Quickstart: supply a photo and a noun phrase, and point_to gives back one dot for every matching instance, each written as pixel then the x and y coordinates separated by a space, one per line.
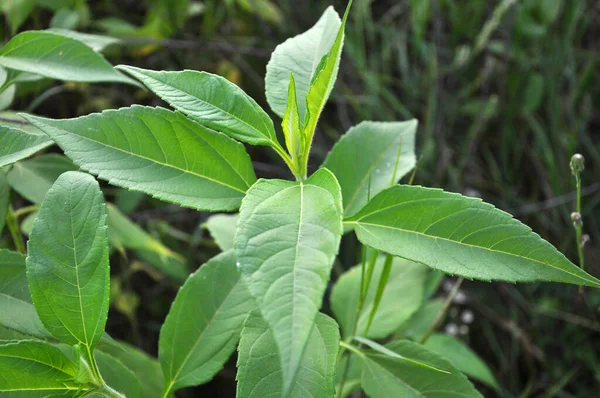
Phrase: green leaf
pixel 124 233
pixel 35 365
pixel 462 357
pixel 95 42
pixel 260 373
pixel 4 198
pixel 322 83
pixel 222 228
pixel 292 125
pixel 401 298
pixel 33 178
pixel 17 11
pixel 369 158
pixel 288 237
pixel 461 235
pixel 118 376
pixel 16 144
pixel 265 9
pixel 158 152
pixel 204 323
pixel 416 327
pixel 16 311
pixel 301 56
pixel 353 377
pixel 67 265
pixel 59 57
pixel 385 376
pixel 212 101
pixel 141 364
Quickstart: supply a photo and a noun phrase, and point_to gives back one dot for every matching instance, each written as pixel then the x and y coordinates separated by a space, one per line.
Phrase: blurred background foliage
pixel 505 92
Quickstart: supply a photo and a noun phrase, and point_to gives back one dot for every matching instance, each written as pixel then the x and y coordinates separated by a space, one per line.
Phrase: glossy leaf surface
pixel 401 298
pixel 158 152
pixel 461 235
pixel 288 236
pixel 35 365
pixel 67 265
pixel 259 369
pixel 212 101
pixel 300 55
pixel 369 158
pixel 16 144
pixel 204 323
pixel 384 376
pixel 56 56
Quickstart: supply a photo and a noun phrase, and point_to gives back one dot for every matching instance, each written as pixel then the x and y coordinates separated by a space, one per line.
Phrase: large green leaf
pixel 401 298
pixel 222 228
pixel 213 101
pixel 204 323
pixel 118 376
pixel 124 233
pixel 35 365
pixel 288 236
pixel 462 357
pixel 33 178
pixel 300 55
pixel 16 311
pixel 56 56
pixel 67 265
pixel 461 235
pixel 369 158
pixel 16 144
pixel 158 152
pixel 260 372
pixel 385 376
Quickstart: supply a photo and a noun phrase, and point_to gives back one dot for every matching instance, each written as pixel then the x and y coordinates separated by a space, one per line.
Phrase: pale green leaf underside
pixel 288 236
pixel 212 101
pixel 364 160
pixel 402 297
pixel 259 368
pixel 16 144
pixel 56 56
pixel 34 177
pixel 204 323
pixel 462 357
pixel 384 376
pixel 461 235
pixel 300 55
pixel 95 42
pixel 67 265
pixel 158 152
pixel 4 198
pixel 222 228
pixel 35 365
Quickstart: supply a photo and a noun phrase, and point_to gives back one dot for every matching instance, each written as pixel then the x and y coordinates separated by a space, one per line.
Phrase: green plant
pixel 264 292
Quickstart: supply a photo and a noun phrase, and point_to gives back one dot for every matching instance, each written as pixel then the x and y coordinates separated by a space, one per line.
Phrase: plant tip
pixel 577 163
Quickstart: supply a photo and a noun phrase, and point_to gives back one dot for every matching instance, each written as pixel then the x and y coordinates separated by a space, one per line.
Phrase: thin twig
pixel 443 311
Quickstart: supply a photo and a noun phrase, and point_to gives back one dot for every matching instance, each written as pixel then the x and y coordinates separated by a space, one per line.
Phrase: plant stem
pixel 26 210
pixel 443 311
pixel 13 227
pixel 383 279
pixel 578 228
